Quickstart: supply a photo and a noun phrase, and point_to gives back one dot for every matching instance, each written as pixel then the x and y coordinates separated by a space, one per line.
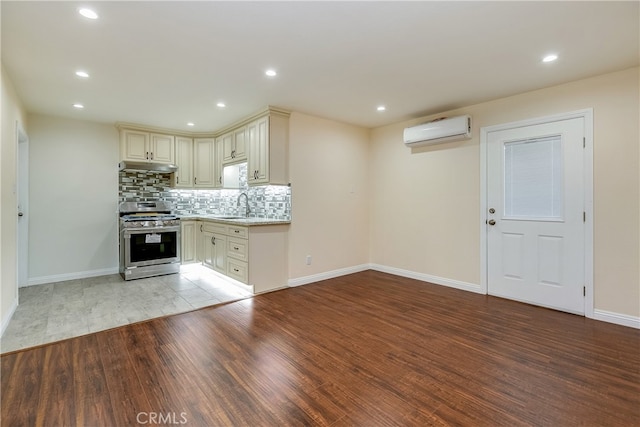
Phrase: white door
pixel 535 218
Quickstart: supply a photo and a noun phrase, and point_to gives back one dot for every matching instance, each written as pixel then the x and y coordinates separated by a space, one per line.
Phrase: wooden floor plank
pixel 364 349
pixel 126 394
pixel 21 377
pixel 57 402
pixel 90 384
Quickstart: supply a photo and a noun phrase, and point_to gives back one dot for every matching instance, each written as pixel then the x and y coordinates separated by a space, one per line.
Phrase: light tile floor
pixel 56 311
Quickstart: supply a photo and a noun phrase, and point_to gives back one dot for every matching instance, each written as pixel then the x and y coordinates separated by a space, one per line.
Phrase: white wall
pixel 329 170
pixel 73 230
pixel 12 112
pixel 358 196
pixel 425 207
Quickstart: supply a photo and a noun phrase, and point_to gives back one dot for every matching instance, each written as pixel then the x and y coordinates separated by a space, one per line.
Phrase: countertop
pixel 247 222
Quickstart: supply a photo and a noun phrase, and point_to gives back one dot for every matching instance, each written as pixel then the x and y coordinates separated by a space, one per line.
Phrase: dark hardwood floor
pixel 368 349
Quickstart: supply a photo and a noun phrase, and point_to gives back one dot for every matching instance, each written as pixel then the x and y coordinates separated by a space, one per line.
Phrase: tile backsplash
pixel 269 201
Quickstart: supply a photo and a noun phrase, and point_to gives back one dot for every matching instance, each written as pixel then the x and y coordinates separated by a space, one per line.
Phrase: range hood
pixel 127 165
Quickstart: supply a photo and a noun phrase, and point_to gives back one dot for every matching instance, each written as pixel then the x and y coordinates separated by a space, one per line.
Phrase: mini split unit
pixel 438 131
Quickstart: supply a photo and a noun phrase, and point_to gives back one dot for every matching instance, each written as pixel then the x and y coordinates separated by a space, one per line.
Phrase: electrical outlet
pixel 308 259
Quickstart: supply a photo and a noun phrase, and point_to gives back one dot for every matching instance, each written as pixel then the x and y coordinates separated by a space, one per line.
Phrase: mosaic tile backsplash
pixel 269 201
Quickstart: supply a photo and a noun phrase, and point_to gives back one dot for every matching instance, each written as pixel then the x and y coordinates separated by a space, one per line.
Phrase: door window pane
pixel 533 177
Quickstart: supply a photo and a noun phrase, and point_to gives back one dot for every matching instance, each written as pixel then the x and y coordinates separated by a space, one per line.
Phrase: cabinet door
pixel 228 147
pixel 217 162
pixel 184 161
pixel 162 148
pixel 239 144
pixel 218 244
pixel 200 239
pixel 258 157
pixel 207 248
pixel 134 145
pixel 203 161
pixel 188 243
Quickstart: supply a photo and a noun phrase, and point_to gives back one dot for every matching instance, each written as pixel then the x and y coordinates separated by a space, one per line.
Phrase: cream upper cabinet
pixel 268 139
pixel 203 163
pixel 197 162
pixel 261 140
pixel 234 146
pixel 227 146
pixel 134 145
pixel 161 148
pixel 218 168
pixel 146 147
pixel 184 160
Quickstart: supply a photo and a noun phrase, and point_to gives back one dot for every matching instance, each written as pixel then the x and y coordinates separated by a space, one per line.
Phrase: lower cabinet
pixel 188 242
pixel 256 256
pixel 225 249
pixel 215 255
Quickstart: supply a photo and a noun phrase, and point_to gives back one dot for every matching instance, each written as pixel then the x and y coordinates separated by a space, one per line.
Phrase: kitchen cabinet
pixel 234 146
pixel 214 246
pixel 184 160
pixel 255 255
pixel 267 157
pixel 238 254
pixel 261 140
pixel 207 248
pixel 150 147
pixel 203 163
pixel 198 162
pixel 218 245
pixel 188 242
pixel 218 168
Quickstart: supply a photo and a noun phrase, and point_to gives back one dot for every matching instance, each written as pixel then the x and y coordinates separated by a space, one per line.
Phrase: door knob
pixel 491 222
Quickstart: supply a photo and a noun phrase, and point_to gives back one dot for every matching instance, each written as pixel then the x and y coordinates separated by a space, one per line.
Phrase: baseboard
pixel 7 318
pixel 617 318
pixel 465 286
pixel 71 276
pixel 327 275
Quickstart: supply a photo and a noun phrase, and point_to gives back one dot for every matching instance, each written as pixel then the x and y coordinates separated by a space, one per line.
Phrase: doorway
pixel 536 211
pixel 23 206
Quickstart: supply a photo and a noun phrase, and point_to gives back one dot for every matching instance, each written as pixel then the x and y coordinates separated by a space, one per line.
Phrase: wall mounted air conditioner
pixel 438 131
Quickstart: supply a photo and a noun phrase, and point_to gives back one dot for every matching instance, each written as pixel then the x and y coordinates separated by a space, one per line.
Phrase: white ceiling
pixel 168 63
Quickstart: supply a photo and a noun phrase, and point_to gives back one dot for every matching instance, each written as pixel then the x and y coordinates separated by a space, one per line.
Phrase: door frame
pixel 22 193
pixel 587 115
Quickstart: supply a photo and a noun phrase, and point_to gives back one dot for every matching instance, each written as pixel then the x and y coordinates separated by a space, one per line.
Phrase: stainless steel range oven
pixel 149 239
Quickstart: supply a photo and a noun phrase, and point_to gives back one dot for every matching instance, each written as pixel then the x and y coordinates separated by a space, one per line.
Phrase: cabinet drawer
pixel 238 270
pixel 241 232
pixel 238 249
pixel 213 227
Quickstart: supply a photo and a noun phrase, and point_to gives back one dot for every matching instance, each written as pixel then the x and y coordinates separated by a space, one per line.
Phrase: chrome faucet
pixel 247 210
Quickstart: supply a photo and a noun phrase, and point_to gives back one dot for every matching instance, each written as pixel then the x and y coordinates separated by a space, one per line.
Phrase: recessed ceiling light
pixel 381 108
pixel 82 74
pixel 190 124
pixel 78 106
pixel 550 58
pixel 88 13
pixel 271 73
pixel 221 104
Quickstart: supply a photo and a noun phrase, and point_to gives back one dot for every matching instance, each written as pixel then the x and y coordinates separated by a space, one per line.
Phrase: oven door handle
pixel 151 230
